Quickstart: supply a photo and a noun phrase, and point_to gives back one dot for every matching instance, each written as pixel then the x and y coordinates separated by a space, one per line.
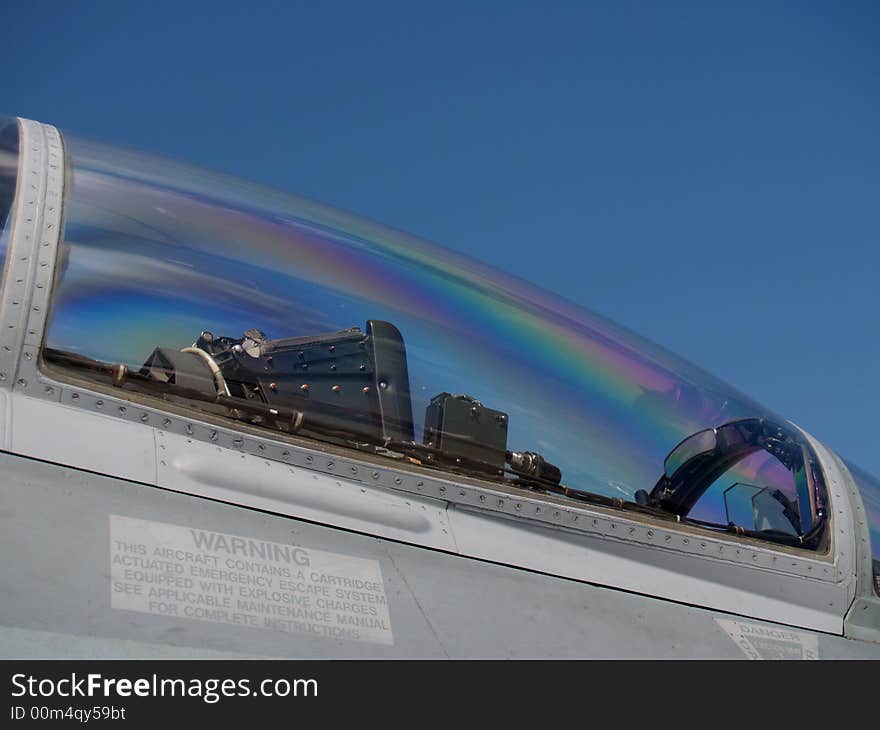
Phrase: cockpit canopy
pixel 249 304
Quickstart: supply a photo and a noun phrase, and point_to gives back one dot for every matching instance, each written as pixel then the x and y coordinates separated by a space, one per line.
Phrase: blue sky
pixel 708 176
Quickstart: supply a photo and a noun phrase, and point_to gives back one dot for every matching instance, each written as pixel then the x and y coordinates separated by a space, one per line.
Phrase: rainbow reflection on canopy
pixel 162 255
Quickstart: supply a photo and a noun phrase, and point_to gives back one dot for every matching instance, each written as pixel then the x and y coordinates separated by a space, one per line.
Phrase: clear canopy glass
pixel 156 253
pixel 869 487
pixel 8 178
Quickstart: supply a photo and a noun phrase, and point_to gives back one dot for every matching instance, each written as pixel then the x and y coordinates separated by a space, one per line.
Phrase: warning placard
pixel 193 573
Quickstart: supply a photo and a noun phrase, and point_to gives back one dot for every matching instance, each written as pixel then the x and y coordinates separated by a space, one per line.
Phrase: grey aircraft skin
pixel 139 519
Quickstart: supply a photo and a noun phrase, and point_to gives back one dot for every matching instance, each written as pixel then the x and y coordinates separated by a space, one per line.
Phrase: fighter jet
pixel 240 423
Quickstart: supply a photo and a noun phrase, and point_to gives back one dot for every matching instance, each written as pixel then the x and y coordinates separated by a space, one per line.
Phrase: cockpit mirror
pixel 702 442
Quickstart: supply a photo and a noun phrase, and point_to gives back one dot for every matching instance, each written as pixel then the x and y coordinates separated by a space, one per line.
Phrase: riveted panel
pixel 332 495
pixel 187 450
pixel 27 231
